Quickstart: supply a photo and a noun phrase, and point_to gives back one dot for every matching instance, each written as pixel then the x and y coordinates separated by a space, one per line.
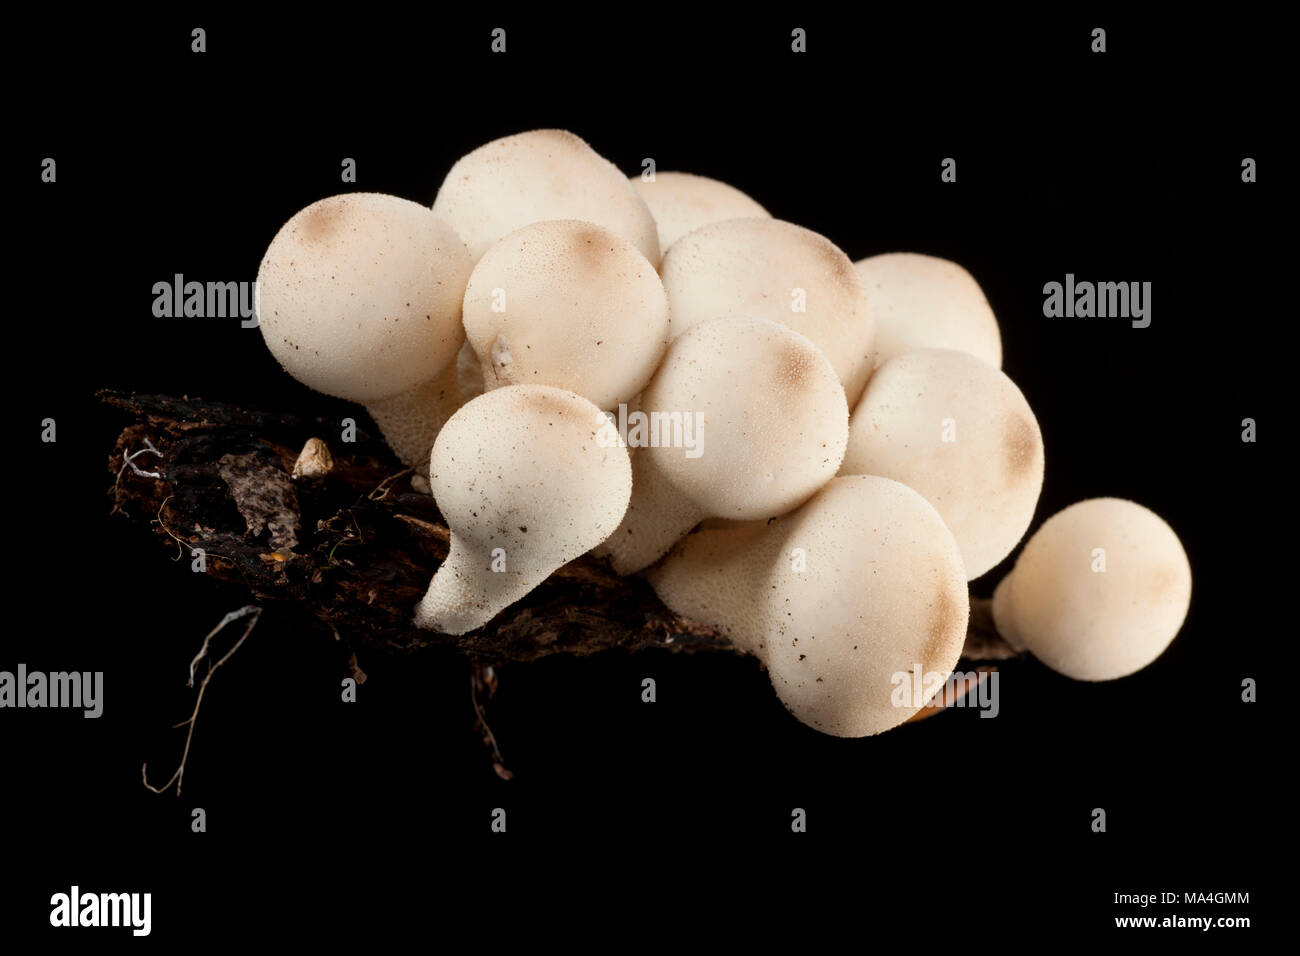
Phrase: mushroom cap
pixel 754 267
pixel 883 592
pixel 773 420
pixel 359 296
pixel 683 202
pixel 1097 625
pixel 524 468
pixel 843 598
pixel 923 302
pixel 543 174
pixel 959 432
pixel 583 310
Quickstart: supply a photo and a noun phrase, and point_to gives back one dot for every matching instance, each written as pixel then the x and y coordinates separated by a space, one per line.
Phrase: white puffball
pixel 529 477
pixel 922 302
pixel 960 433
pixel 542 174
pixel 359 296
pixel 1099 591
pixel 569 304
pixel 682 203
pixel 853 601
pixel 774 270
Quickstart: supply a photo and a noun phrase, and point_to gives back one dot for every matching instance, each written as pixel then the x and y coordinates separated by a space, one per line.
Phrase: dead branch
pixel 353 548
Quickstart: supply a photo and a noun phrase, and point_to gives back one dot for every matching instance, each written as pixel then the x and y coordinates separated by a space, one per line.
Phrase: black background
pixel 628 821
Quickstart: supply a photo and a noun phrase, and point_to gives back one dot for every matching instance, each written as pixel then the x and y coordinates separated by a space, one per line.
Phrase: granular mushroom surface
pixel 922 302
pixel 960 433
pixel 569 304
pixel 527 482
pixel 542 174
pixel 683 202
pixel 774 270
pixel 848 600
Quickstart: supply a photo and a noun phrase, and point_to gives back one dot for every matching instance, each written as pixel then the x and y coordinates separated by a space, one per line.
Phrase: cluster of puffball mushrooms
pixel 507 336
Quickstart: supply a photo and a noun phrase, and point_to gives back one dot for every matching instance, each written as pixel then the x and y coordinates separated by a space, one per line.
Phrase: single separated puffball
pixel 777 271
pixel 529 477
pixel 856 602
pixel 682 203
pixel 960 433
pixel 922 302
pixel 569 304
pixel 1099 591
pixel 543 174
pixel 359 297
pixel 744 419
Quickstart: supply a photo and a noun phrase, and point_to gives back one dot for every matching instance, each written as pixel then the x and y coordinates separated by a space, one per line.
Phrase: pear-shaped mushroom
pixel 359 297
pixel 778 271
pixel 682 203
pixel 744 419
pixel 1099 591
pixel 851 601
pixel 923 302
pixel 569 304
pixel 542 174
pixel 528 477
pixel 958 431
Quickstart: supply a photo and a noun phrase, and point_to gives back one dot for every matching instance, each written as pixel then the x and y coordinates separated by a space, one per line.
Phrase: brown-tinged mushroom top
pixel 541 174
pixel 359 296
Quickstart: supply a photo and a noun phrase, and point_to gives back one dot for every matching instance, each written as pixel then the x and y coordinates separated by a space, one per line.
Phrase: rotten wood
pixel 353 547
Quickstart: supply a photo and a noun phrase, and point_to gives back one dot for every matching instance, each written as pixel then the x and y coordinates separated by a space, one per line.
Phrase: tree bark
pixel 354 547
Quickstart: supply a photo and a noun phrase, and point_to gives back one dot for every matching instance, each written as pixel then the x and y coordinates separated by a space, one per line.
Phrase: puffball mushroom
pixel 921 302
pixel 543 174
pixel 777 271
pixel 847 601
pixel 682 203
pixel 1098 592
pixel 528 477
pixel 359 297
pixel 960 433
pixel 569 304
pixel 762 424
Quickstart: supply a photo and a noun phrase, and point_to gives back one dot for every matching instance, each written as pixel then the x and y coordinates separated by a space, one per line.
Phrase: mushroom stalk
pixel 411 420
pixel 1001 614
pixel 444 606
pixel 659 516
pixel 703 569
